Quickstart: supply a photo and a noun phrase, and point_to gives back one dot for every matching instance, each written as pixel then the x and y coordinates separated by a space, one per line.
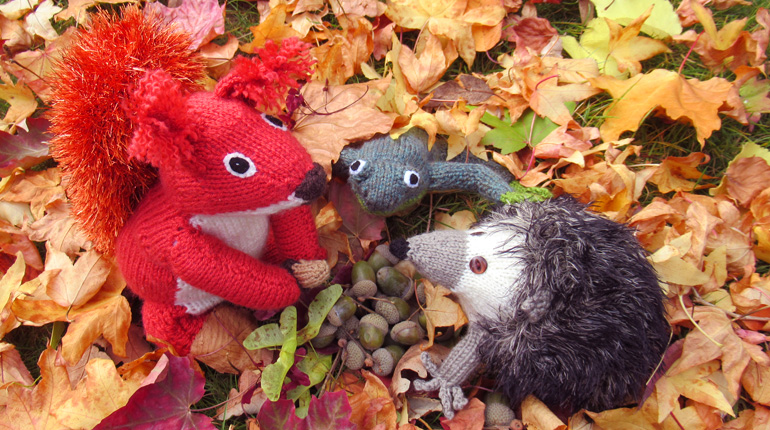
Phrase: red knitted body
pixel 227 211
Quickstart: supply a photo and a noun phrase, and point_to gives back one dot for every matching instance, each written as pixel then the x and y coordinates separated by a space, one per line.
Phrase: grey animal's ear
pixel 347 156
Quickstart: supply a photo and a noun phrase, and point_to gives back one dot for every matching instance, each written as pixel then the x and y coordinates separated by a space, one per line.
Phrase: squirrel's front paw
pixel 450 392
pixel 310 273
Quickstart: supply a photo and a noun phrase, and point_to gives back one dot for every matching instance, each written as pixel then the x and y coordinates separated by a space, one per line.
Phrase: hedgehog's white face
pixel 476 265
pixel 490 272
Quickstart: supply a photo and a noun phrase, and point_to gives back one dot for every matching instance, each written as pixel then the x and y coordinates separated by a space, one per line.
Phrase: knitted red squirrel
pixel 225 219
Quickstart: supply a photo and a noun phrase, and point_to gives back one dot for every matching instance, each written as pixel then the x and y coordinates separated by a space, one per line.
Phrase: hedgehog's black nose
pixel 399 248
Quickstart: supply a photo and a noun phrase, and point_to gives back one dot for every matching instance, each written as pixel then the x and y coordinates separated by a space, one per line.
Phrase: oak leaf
pixel 336 115
pixel 669 94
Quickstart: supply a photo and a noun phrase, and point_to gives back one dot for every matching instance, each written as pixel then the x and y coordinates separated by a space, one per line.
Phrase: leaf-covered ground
pixel 654 110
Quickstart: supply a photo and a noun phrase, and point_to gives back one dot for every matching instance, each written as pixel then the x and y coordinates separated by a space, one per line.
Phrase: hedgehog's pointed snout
pixel 399 248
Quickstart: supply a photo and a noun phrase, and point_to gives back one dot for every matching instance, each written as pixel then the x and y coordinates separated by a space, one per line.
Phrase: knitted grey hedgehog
pixel 562 304
pixel 390 175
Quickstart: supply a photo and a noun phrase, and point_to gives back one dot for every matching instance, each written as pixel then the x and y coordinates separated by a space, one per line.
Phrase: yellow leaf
pixel 99 394
pixel 22 101
pixel 273 27
pixel 424 70
pixel 373 407
pixel 668 93
pixel 440 310
pixel 536 413
pixel 460 220
pixel 663 20
pixel 72 285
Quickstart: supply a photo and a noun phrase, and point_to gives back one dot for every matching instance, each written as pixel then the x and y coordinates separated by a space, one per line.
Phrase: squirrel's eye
pixel 478 265
pixel 274 121
pixel 357 166
pixel 240 165
pixel 411 178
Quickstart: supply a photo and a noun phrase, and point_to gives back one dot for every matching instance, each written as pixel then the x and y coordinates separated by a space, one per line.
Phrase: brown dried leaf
pixel 373 407
pixel 12 368
pixel 440 310
pixel 219 344
pixel 340 114
pixel 673 173
pixel 72 285
pixel 272 27
pixel 58 229
pixel 471 417
pixel 39 189
pixel 537 414
pixel 461 220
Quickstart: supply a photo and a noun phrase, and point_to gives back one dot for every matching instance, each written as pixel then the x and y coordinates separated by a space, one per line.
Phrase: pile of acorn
pixel 378 316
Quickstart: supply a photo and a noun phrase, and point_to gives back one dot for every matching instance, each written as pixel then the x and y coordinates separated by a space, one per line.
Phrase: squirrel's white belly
pixel 245 232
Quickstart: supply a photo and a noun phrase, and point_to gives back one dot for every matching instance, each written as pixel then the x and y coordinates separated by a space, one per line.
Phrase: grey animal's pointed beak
pixel 440 256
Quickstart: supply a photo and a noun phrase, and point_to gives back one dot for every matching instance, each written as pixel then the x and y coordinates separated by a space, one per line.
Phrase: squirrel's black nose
pixel 399 248
pixel 314 184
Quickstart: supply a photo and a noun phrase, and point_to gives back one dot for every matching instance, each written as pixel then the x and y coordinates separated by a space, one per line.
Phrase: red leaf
pixel 331 411
pixel 25 148
pixel 355 220
pixel 280 415
pixel 165 403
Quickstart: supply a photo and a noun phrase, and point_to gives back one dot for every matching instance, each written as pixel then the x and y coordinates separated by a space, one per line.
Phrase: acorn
pixel 363 289
pixel 419 292
pixel 348 329
pixel 326 335
pixel 354 356
pixel 393 283
pixel 342 310
pixel 498 413
pixel 372 330
pixel 383 362
pixel 384 250
pixel 362 270
pixel 396 351
pixel 378 261
pixel 406 333
pixel 393 309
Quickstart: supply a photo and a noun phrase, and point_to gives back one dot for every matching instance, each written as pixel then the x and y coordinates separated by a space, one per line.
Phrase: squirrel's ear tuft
pixel 157 109
pixel 264 81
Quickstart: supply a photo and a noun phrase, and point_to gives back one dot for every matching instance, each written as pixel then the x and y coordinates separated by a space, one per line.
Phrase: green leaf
pixel 317 311
pixel 266 336
pixel 663 21
pixel 274 374
pixel 316 367
pixel 509 137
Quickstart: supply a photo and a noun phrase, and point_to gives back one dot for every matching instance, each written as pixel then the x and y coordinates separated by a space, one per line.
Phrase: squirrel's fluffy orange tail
pixel 91 84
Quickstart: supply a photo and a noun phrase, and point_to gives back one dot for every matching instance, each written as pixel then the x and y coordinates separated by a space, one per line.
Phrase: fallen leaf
pixel 756 382
pixel 673 173
pixel 22 101
pixel 39 189
pixel 469 88
pixel 248 398
pixel 35 67
pixel 355 220
pixel 219 343
pixel 549 99
pixel 328 222
pixel 272 27
pixel 424 67
pixel 532 33
pixel 537 414
pixel 26 148
pixel 58 229
pixel 38 23
pixel 15 9
pixel 471 417
pixel 412 363
pixel 617 50
pixel 12 368
pixel 78 9
pixel 440 310
pixel 460 220
pixel 749 419
pixel 344 54
pixel 746 177
pixel 12 32
pixel 663 20
pixel 202 20
pixel 72 285
pixel 98 395
pixel 336 115
pixel 373 406
pixel 33 408
pixel 668 93
pixel 165 402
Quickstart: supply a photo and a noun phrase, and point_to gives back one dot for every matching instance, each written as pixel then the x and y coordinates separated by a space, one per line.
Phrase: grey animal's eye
pixel 478 265
pixel 411 178
pixel 274 121
pixel 357 166
pixel 239 165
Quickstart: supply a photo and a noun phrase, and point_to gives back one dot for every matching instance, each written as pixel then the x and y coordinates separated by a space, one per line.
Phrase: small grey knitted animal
pixel 562 304
pixel 390 175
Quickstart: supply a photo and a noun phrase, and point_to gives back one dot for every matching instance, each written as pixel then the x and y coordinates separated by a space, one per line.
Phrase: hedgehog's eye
pixel 274 121
pixel 357 166
pixel 239 165
pixel 411 178
pixel 478 265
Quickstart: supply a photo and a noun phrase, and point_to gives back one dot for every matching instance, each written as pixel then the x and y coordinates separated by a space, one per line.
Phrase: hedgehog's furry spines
pixel 588 327
pixel 90 86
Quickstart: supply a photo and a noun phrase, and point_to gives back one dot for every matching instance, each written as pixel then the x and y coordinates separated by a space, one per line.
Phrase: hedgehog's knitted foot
pixel 450 392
